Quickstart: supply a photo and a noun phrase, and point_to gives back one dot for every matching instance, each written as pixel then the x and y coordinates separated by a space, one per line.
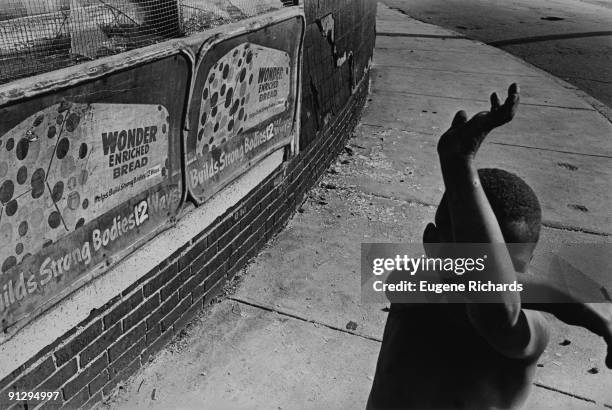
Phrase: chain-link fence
pixel 37 36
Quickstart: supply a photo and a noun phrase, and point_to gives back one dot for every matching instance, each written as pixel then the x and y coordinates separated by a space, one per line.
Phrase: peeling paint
pixel 327 28
pixel 341 60
pixel 327 118
pixel 326 25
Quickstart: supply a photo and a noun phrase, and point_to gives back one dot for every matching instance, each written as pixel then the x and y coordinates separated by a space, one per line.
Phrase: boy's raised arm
pixel 502 323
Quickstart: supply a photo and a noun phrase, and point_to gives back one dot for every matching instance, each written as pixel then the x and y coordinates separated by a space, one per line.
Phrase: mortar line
pixel 302 318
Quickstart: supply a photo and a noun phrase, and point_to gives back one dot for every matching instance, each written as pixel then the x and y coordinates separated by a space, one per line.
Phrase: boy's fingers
pixel 495 102
pixel 513 89
pixel 460 118
pixel 512 101
pixel 506 112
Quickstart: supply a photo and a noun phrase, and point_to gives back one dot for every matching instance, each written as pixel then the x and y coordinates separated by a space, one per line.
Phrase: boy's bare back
pixel 433 358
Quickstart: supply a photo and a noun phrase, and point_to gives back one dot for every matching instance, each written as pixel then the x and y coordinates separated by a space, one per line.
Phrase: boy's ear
pixel 431 239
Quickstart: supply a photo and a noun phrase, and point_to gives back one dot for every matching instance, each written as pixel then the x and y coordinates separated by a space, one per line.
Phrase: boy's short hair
pixel 514 204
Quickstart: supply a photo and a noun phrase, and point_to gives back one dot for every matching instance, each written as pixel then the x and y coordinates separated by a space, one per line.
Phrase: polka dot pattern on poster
pixel 231 101
pixel 52 166
pixel 29 216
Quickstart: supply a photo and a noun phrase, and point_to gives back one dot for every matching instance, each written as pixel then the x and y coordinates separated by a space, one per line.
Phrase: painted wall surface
pixel 86 174
pixel 243 106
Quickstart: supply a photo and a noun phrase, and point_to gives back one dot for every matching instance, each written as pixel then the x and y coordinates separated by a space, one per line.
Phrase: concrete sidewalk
pixel 295 334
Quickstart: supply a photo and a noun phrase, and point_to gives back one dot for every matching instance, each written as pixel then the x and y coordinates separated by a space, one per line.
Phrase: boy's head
pixel 516 207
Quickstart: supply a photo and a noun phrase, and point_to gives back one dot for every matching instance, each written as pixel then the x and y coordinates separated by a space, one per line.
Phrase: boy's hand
pixel 464 137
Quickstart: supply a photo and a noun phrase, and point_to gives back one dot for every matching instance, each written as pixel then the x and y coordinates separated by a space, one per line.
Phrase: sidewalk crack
pixel 556 225
pixel 392 91
pixel 543 386
pixel 412 67
pixel 358 191
pixel 413 35
pixel 404 201
pixel 302 318
pixel 551 150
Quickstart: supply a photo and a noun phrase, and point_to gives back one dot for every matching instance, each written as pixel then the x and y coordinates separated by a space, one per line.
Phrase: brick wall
pixel 88 362
pixel 340 37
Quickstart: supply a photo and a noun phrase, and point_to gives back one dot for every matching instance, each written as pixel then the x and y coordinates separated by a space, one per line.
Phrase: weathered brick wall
pixel 340 36
pixel 88 362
